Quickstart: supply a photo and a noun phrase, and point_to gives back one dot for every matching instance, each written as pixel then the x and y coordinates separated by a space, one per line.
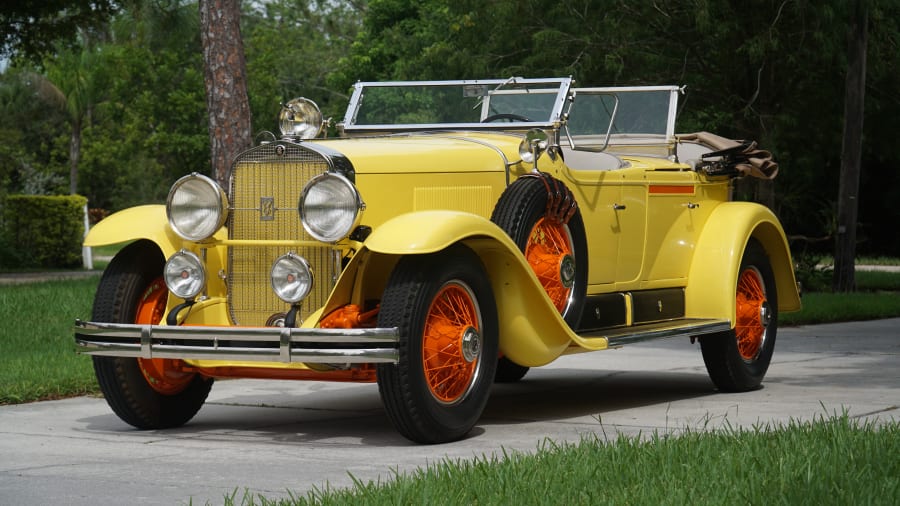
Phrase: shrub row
pixel 42 231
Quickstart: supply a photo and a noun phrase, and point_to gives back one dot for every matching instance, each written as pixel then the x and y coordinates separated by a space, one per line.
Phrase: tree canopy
pixel 34 28
pixel 768 70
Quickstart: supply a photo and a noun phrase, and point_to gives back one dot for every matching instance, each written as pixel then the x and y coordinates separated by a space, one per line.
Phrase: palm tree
pixel 72 83
pixel 75 78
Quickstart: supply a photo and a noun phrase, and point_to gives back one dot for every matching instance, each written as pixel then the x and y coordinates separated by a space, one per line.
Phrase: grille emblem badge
pixel 266 208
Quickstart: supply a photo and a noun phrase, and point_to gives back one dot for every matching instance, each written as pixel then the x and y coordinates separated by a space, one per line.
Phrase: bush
pixel 811 274
pixel 43 231
pixel 9 256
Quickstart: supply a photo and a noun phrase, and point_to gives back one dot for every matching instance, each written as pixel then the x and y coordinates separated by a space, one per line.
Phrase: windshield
pixel 421 105
pixel 622 116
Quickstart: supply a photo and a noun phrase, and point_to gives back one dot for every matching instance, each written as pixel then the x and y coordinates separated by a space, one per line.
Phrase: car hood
pixel 428 152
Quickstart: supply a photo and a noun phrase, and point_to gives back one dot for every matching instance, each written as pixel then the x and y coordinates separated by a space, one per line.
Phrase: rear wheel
pixel 444 307
pixel 737 360
pixel 556 250
pixel 146 393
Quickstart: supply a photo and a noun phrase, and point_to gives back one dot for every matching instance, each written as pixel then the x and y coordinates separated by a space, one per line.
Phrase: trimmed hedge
pixel 44 231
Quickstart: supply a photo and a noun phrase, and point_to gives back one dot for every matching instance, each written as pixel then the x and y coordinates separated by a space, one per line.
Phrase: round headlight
pixel 184 274
pixel 196 207
pixel 301 118
pixel 291 278
pixel 330 207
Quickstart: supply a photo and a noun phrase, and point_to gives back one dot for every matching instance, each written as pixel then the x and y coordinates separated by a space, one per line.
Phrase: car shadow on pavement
pixel 561 394
pixel 355 416
pixel 332 414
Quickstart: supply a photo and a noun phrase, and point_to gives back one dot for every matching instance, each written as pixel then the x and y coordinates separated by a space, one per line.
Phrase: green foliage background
pixel 772 71
pixel 768 70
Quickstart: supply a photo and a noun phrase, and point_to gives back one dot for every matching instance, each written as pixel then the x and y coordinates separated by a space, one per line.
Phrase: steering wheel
pixel 507 116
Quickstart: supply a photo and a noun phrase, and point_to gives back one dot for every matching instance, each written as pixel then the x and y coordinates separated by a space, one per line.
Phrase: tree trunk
pixel 225 75
pixel 851 151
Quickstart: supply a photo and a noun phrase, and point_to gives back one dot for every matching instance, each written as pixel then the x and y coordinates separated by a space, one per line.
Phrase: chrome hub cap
pixel 765 314
pixel 567 271
pixel 471 344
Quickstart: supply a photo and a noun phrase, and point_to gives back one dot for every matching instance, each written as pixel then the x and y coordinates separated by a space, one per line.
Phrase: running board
pixel 648 331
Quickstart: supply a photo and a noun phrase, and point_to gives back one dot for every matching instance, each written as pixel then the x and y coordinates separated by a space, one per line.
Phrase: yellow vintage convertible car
pixel 455 234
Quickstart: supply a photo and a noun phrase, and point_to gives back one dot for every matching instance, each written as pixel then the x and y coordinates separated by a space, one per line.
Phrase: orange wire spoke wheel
pixel 752 314
pixel 443 306
pixel 165 376
pixel 737 359
pixel 451 347
pixel 549 252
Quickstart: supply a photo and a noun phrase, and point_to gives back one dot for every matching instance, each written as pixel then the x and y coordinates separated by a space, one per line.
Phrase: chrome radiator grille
pixel 265 186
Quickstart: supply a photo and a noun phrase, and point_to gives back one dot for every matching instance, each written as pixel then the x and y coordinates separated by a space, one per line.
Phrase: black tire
pixel 521 206
pixel 737 360
pixel 424 405
pixel 131 283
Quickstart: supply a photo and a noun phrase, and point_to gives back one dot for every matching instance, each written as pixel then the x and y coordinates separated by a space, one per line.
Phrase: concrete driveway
pixel 271 437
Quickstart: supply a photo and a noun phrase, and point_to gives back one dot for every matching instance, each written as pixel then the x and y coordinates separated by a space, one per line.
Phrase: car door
pixel 635 125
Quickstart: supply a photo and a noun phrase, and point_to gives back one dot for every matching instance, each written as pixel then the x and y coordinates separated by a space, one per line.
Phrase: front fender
pixel 150 222
pixel 532 333
pixel 141 222
pixel 430 231
pixel 714 269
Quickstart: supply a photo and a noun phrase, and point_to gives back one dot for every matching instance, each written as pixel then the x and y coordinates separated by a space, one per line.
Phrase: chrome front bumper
pixel 253 344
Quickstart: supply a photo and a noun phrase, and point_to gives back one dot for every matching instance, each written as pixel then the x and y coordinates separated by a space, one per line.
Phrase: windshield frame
pixel 562 86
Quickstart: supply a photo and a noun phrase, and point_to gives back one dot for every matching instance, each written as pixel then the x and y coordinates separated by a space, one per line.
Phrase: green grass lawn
pixel 37 358
pixel 878 296
pixel 834 460
pixel 831 307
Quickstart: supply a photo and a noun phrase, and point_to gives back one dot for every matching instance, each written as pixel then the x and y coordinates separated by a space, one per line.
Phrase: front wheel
pixel 145 393
pixel 737 360
pixel 444 307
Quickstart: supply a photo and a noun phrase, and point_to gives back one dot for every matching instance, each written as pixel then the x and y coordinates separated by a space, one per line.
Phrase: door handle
pixel 618 207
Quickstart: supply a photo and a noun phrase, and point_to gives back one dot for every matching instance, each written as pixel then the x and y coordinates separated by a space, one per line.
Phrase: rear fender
pixel 714 269
pixel 532 333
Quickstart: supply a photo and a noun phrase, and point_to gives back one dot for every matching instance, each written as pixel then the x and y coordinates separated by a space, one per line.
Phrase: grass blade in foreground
pixel 828 461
